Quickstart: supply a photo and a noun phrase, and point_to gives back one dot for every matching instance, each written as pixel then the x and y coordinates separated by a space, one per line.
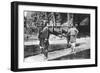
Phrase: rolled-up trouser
pixel 44 42
pixel 72 38
pixel 73 41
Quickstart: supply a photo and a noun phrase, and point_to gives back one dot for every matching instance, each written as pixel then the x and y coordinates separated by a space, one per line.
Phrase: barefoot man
pixel 44 40
pixel 72 32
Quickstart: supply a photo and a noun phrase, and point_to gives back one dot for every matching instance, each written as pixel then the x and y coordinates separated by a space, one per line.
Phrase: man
pixel 72 33
pixel 44 40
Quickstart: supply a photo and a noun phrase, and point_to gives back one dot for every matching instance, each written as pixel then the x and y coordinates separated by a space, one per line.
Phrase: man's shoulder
pixel 72 29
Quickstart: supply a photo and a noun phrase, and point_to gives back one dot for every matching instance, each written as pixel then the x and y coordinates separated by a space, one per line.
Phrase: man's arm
pixel 76 31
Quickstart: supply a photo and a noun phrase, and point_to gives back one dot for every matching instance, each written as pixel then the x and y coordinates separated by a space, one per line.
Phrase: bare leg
pixel 41 49
pixel 46 54
pixel 46 49
pixel 73 47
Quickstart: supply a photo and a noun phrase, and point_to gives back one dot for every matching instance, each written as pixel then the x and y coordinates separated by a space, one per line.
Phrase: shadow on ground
pixel 80 55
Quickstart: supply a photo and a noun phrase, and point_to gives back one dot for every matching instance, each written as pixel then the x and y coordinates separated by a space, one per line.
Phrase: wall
pixel 5 35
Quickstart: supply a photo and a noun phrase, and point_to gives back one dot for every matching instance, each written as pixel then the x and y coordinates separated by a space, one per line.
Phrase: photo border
pixel 14 35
